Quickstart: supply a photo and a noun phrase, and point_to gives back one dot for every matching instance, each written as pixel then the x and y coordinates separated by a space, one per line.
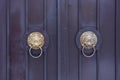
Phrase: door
pixel 61 23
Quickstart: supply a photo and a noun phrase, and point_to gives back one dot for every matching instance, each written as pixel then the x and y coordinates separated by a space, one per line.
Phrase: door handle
pixel 88 40
pixel 35 41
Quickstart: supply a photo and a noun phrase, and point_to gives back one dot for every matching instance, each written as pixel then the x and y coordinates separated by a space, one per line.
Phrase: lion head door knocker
pixel 88 40
pixel 36 41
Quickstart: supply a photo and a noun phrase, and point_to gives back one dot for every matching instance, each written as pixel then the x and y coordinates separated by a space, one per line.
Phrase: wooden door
pixel 61 21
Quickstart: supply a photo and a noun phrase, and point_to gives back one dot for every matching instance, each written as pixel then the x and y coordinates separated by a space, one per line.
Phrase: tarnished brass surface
pixel 88 39
pixel 35 40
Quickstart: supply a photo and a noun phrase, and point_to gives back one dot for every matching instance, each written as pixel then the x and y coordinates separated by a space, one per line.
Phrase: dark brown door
pixel 60 21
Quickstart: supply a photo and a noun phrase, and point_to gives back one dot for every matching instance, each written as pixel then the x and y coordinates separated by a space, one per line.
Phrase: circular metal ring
pixel 36 56
pixel 94 50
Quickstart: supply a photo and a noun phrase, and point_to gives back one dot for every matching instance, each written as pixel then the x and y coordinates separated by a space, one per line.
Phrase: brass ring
pixel 94 51
pixel 36 56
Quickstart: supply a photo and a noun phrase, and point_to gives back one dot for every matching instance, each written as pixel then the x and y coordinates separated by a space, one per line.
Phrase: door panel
pixel 3 40
pixel 117 40
pixel 16 32
pixel 67 51
pixel 61 58
pixel 51 23
pixel 35 20
pixel 106 58
pixel 35 12
pixel 87 18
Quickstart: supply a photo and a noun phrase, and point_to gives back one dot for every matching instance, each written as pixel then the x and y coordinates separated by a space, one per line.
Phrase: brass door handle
pixel 35 41
pixel 88 40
